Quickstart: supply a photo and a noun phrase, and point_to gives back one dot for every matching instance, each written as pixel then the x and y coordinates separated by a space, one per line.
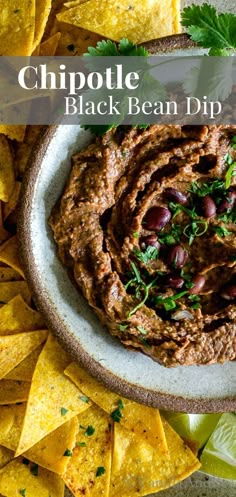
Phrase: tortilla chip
pixel 53 398
pixel 11 420
pixel 82 474
pixel 11 289
pixel 49 452
pixel 17 316
pixel 142 420
pixel 49 46
pixel 6 456
pixel 13 132
pixel 14 348
pixel 12 392
pixel 25 369
pixel 7 174
pixel 138 469
pixel 43 8
pixel 16 27
pixel 24 149
pixel 9 274
pixel 10 206
pixel 74 40
pixel 135 20
pixel 9 254
pixel 71 5
pixel 17 476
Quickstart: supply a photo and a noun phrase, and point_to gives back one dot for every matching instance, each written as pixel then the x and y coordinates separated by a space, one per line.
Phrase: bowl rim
pixel 56 325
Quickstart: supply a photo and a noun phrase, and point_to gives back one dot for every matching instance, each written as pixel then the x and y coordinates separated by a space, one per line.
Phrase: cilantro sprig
pixel 150 254
pixel 111 49
pixel 210 29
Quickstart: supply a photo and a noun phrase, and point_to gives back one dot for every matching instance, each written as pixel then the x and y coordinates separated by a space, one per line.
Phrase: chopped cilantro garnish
pixel 85 399
pixel 16 11
pixel 204 189
pixel 169 303
pixel 135 234
pixel 68 453
pixel 195 306
pixel 116 415
pixel 171 237
pixel 110 49
pixel 139 284
pixel 150 254
pixel 100 471
pixel 34 469
pixel 142 330
pixel 222 231
pixel 80 444
pixel 195 229
pixel 123 327
pixel 89 431
pixel 64 411
pixel 231 172
pixel 22 492
pixel 178 208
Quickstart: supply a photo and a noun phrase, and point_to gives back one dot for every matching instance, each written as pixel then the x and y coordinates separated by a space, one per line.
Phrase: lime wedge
pixel 219 455
pixel 196 427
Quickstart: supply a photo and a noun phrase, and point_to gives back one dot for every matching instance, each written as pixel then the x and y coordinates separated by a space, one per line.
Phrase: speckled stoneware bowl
pixel 193 389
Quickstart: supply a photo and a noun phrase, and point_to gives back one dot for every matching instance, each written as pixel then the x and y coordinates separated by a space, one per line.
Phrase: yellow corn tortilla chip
pixel 23 150
pixel 49 452
pixel 9 274
pixel 17 317
pixel 138 469
pixel 13 132
pixel 71 5
pixel 53 399
pixel 132 19
pixel 142 420
pixel 42 11
pixel 11 289
pixel 14 348
pixel 9 254
pixel 85 462
pixel 25 369
pixel 11 421
pixel 49 46
pixel 6 456
pixel 74 40
pixel 17 476
pixel 10 206
pixel 17 27
pixel 7 174
pixel 12 392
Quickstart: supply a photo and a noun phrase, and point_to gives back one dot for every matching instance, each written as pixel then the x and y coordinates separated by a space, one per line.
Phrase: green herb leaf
pixel 80 444
pixel 209 29
pixel 89 431
pixel 178 208
pixel 195 229
pixel 22 492
pixel 150 254
pixel 136 234
pixel 116 415
pixel 110 49
pixel 123 327
pixel 100 471
pixel 222 231
pixel 85 399
pixel 64 411
pixel 142 330
pixel 67 453
pixel 229 174
pixel 201 190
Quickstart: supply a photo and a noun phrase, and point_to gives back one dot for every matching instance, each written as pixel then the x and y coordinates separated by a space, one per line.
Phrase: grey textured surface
pixel 224 5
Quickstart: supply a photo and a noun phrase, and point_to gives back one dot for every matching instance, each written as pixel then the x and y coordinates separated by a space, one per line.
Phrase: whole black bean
pixel 199 282
pixel 174 281
pixel 208 206
pixel 156 218
pixel 228 292
pixel 150 240
pixel 175 196
pixel 177 256
pixel 228 203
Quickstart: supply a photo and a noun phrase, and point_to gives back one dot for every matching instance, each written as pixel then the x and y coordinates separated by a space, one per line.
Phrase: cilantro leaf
pixel 100 471
pixel 64 411
pixel 67 453
pixel 116 415
pixel 222 231
pixel 210 29
pixel 111 49
pixel 201 190
pixel 84 398
pixel 22 492
pixel 150 254
pixel 34 469
pixel 229 174
pixel 80 444
pixel 89 431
